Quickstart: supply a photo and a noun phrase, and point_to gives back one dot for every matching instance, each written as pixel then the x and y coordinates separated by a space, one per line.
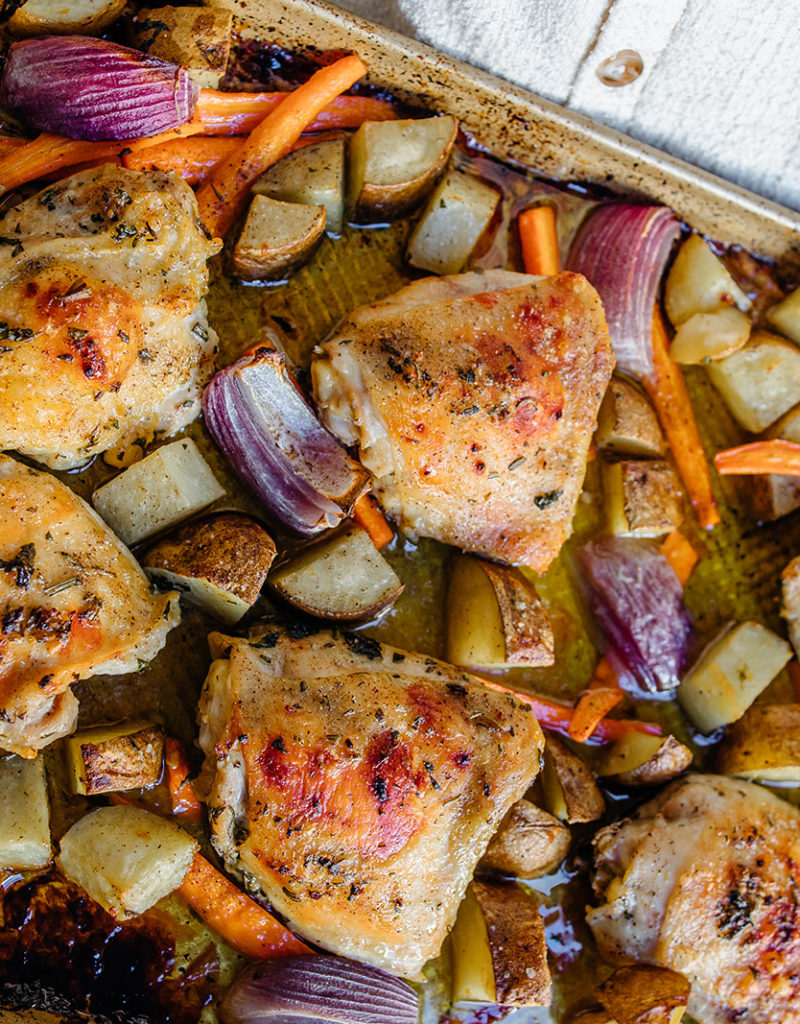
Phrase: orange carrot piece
pixel 244 924
pixel 224 196
pixel 184 799
pixel 49 153
pixel 226 113
pixel 793 668
pixel 592 707
pixel 539 240
pixel 604 676
pixel 668 393
pixel 11 145
pixel 191 158
pixel 760 457
pixel 369 517
pixel 680 554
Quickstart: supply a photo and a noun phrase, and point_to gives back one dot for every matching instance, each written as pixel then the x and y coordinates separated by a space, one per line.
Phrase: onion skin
pixel 623 250
pixel 318 989
pixel 94 90
pixel 639 601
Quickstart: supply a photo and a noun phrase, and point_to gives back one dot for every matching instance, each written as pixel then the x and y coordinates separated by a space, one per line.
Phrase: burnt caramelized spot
pixel 93 366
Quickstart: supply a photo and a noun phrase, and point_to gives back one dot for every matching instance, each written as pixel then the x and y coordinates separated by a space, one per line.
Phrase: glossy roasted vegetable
pixel 764 745
pixel 699 282
pixel 640 760
pixel 570 790
pixel 196 38
pixel 641 994
pixel 786 316
pixel 25 821
pixel 313 175
pixel 642 498
pixel 276 239
pixel 627 423
pixel 114 758
pixel 53 17
pixel 529 843
pixel 790 601
pixel 707 336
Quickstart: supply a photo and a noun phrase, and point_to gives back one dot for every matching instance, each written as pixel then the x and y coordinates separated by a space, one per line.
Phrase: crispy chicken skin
pixel 73 602
pixel 473 399
pixel 103 330
pixel 705 879
pixel 358 785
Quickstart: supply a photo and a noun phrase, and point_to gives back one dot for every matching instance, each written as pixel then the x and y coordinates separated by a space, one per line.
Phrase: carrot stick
pixel 224 196
pixel 537 235
pixel 244 924
pixel 48 153
pixel 184 799
pixel 680 554
pixel 11 145
pixel 227 113
pixel 592 707
pixel 667 390
pixel 760 457
pixel 191 158
pixel 369 517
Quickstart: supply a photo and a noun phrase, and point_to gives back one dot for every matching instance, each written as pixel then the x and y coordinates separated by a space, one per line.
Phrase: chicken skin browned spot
pixel 103 329
pixel 73 603
pixel 473 399
pixel 705 879
pixel 358 785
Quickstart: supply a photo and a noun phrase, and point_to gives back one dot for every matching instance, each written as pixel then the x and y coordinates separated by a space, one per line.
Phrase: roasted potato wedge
pixel 170 484
pixel 772 495
pixel 730 673
pixel 627 423
pixel 529 843
pixel 343 577
pixel 707 336
pixel 495 618
pixel 790 601
pixel 641 994
pixel 760 382
pixel 114 758
pixel 643 498
pixel 570 790
pixel 764 744
pixel 456 215
pixel 313 175
pixel 25 821
pixel 395 164
pixel 786 316
pixel 219 563
pixel 277 238
pixel 55 18
pixel 499 952
pixel 197 38
pixel 699 282
pixel 637 759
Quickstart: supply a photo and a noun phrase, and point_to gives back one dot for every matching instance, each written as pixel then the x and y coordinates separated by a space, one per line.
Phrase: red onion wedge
pixel 93 89
pixel 622 250
pixel 306 989
pixel 278 447
pixel 639 601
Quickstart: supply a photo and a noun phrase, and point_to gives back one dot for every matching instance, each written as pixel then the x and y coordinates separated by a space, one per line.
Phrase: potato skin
pixel 528 844
pixel 34 20
pixel 229 549
pixel 766 738
pixel 627 423
pixel 669 760
pixel 564 770
pixel 641 994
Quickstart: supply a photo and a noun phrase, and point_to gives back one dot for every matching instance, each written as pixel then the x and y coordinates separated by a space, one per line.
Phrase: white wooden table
pixel 720 79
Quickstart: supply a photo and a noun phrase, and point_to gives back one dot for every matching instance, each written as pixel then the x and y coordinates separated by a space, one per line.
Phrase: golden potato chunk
pixel 197 38
pixel 699 282
pixel 56 18
pixel 313 175
pixel 643 498
pixel 529 843
pixel 112 759
pixel 764 744
pixel 570 790
pixel 707 336
pixel 641 994
pixel 786 316
pixel 637 759
pixel 277 238
pixel 790 601
pixel 25 821
pixel 627 423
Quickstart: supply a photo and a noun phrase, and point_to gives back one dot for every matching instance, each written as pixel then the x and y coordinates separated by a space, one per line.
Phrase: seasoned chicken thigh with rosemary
pixel 73 603
pixel 103 333
pixel 358 785
pixel 473 399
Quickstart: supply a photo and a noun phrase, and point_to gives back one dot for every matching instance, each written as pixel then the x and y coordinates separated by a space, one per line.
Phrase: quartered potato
pixel 760 382
pixel 196 38
pixel 643 498
pixel 570 790
pixel 699 282
pixel 313 175
pixel 395 164
pixel 637 759
pixel 126 858
pixel 730 673
pixel 219 563
pixel 773 495
pixel 790 601
pixel 342 577
pixel 57 18
pixel 763 745
pixel 499 952
pixel 25 818
pixel 277 238
pixel 456 215
pixel 495 618
pixel 707 336
pixel 641 994
pixel 786 316
pixel 627 423
pixel 529 843
pixel 115 758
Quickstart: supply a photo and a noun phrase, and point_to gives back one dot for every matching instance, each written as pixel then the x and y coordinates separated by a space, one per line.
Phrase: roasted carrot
pixel 191 158
pixel 539 240
pixel 184 799
pixel 11 145
pixel 369 517
pixel 244 924
pixel 224 196
pixel 760 457
pixel 226 113
pixel 592 707
pixel 46 154
pixel 668 393
pixel 680 554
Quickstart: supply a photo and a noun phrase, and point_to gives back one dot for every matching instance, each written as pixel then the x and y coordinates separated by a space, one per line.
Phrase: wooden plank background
pixel 720 84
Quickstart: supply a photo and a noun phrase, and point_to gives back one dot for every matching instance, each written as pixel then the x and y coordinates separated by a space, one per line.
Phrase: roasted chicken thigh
pixel 705 879
pixel 473 399
pixel 103 329
pixel 358 785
